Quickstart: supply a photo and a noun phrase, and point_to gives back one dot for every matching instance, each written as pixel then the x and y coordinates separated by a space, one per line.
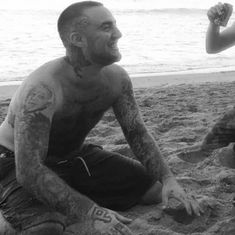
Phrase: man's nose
pixel 117 33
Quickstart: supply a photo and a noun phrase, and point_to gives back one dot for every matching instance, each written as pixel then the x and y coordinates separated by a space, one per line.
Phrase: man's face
pixel 101 36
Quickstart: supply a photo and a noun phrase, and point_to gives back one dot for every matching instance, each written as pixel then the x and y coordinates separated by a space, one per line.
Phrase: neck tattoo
pixel 76 68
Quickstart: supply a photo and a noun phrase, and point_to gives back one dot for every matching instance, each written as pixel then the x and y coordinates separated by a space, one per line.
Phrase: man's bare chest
pixel 85 105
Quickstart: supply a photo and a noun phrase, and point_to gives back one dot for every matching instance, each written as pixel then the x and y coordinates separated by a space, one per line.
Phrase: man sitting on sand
pixel 50 179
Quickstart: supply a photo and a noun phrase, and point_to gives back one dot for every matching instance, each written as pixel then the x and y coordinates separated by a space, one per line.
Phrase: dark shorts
pixel 110 179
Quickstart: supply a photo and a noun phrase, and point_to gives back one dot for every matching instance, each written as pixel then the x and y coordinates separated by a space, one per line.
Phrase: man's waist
pixel 5 152
pixel 7 161
pixel 7 136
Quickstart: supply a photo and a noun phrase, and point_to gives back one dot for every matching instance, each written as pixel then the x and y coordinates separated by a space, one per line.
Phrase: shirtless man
pixel 52 179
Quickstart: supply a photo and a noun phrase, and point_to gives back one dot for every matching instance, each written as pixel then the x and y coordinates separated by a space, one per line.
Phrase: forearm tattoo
pixel 141 142
pixel 32 128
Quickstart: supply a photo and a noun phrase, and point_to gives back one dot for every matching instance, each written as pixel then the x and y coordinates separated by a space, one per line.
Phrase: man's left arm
pixel 141 142
pixel 146 149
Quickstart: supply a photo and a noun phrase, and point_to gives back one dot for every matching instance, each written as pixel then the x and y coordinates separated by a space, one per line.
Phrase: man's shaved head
pixel 67 19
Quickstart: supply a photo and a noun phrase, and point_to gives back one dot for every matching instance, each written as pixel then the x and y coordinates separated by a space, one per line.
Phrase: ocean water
pixel 153 41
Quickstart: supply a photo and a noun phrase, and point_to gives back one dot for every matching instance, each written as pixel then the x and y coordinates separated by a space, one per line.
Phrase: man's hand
pixel 171 189
pixel 214 12
pixel 108 222
pixel 220 14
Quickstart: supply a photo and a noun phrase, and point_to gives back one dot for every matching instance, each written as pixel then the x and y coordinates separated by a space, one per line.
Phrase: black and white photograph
pixel 117 117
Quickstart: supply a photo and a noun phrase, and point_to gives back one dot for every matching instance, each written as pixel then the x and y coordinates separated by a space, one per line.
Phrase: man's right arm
pixel 217 41
pixel 32 128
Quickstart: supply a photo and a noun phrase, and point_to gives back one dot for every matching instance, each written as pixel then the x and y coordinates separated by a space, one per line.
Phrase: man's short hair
pixel 72 12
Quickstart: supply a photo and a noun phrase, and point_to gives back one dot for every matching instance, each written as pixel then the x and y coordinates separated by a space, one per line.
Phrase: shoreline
pixel 148 80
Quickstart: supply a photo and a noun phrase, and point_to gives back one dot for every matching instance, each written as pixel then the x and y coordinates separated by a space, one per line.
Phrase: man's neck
pixel 81 66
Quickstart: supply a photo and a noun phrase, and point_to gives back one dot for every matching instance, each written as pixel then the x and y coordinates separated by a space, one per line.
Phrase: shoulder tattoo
pixel 38 98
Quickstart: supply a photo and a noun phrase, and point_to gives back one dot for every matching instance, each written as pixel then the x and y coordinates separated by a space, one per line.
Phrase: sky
pixel 115 4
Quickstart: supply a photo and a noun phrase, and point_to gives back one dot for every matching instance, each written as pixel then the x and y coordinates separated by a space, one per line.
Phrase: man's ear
pixel 77 40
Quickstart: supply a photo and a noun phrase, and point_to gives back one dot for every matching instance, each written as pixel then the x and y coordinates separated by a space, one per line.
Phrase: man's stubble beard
pixel 102 59
pixel 105 60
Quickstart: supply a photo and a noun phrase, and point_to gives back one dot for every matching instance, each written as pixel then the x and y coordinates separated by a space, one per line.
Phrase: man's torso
pixel 80 105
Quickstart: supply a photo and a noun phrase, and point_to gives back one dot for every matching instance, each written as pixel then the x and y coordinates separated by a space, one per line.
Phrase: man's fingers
pixel 165 200
pixel 212 12
pixel 201 209
pixel 122 229
pixel 187 206
pixel 123 219
pixel 182 197
pixel 219 10
pixel 195 206
pixel 220 5
pixel 211 15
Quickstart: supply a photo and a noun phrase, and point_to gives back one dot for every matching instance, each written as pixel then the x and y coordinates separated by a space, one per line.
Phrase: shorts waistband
pixel 5 152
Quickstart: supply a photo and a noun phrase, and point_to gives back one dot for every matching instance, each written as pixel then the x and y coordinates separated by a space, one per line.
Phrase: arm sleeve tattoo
pixel 141 142
pixel 32 128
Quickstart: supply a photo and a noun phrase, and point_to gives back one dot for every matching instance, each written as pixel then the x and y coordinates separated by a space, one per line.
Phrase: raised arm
pixel 32 128
pixel 141 142
pixel 216 40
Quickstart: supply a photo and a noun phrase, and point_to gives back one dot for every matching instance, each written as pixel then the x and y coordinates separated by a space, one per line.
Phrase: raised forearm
pixel 213 38
pixel 47 187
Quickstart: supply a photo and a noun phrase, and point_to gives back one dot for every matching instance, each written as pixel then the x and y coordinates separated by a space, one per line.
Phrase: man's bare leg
pixel 44 229
pixel 153 195
pixel 5 227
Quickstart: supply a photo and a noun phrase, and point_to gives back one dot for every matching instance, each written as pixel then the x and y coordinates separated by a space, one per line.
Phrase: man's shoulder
pixel 117 74
pixel 41 81
pixel 116 70
pixel 120 80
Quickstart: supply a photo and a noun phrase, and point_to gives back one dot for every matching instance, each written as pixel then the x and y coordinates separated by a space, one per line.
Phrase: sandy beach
pixel 178 110
pixel 150 80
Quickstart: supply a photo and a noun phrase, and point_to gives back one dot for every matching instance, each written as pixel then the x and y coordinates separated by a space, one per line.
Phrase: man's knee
pixel 49 223
pixel 43 229
pixel 48 228
pixel 5 227
pixel 153 195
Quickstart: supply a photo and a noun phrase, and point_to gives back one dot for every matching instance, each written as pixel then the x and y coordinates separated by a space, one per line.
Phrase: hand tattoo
pixel 101 214
pixel 105 223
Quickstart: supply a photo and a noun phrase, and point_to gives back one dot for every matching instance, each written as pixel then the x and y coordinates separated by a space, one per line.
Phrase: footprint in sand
pixel 193 154
pixel 225 156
